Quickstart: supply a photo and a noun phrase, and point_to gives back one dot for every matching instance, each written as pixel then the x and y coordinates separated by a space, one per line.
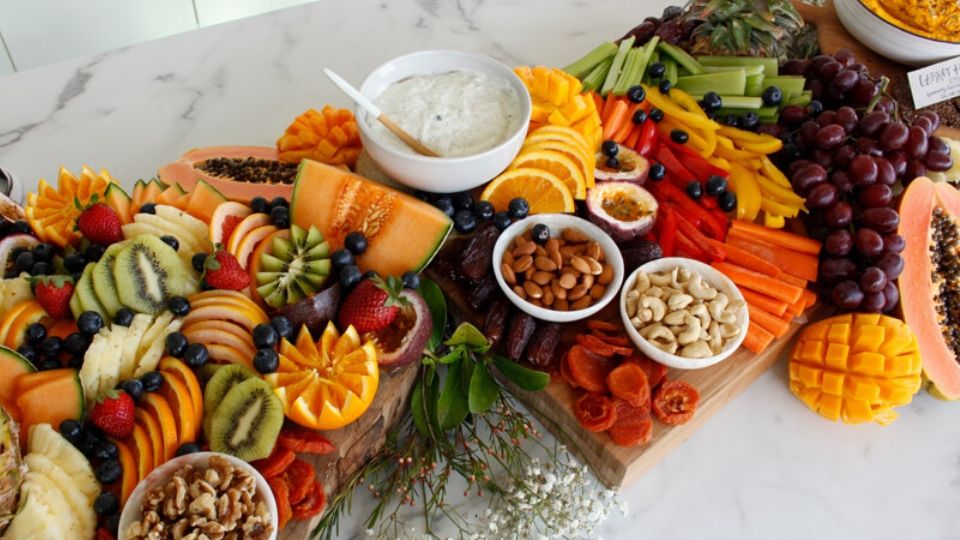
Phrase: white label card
pixel 935 83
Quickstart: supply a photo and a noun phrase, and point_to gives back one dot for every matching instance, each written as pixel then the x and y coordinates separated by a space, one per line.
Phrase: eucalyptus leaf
pixel 418 410
pixel 525 378
pixel 484 390
pixel 452 406
pixel 468 334
pixel 437 303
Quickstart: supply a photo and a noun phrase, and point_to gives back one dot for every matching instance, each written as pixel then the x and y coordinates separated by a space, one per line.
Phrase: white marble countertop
pixel 764 468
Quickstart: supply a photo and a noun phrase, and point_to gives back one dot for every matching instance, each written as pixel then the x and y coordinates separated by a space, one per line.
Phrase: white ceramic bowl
pixel 558 222
pixel 713 277
pixel 889 40
pixel 441 175
pixel 160 475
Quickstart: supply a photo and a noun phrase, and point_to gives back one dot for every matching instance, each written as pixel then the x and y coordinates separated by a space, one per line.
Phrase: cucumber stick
pixel 584 66
pixel 617 66
pixel 596 77
pixel 732 83
pixel 770 65
pixel 681 58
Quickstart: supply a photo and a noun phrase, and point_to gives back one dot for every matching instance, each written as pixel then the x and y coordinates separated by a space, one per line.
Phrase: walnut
pixel 214 530
pixel 205 505
pixel 152 500
pixel 230 509
pixel 176 501
pixel 180 528
pixel 211 476
pixel 201 486
pixel 256 528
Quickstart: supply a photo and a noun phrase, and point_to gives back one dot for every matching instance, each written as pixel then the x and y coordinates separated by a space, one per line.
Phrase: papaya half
pixel 240 173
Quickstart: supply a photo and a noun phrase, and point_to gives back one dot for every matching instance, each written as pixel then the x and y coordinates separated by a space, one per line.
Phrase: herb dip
pixel 458 113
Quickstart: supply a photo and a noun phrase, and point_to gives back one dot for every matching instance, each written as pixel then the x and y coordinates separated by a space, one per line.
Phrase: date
pixel 496 322
pixel 519 332
pixel 541 352
pixel 478 254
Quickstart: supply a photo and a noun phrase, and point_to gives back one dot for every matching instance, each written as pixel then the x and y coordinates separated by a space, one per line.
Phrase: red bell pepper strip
pixel 708 202
pixel 690 231
pixel 695 163
pixel 668 231
pixel 685 244
pixel 690 209
pixel 670 161
pixel 648 138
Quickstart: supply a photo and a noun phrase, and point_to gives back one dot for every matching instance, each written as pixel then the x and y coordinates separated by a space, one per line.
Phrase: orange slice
pixel 177 395
pixel 142 450
pixel 543 191
pixel 559 165
pixel 131 475
pixel 160 410
pixel 154 433
pixel 172 365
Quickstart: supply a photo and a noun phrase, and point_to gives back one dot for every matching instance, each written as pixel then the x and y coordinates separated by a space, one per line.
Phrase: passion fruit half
pixel 623 210
pixel 629 166
pixel 403 341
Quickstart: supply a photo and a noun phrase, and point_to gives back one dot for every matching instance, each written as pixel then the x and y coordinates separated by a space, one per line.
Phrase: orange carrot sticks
pixel 618 115
pixel 757 339
pixel 746 259
pixel 793 242
pixel 794 263
pixel 793 280
pixel 809 298
pixel 769 322
pixel 760 283
pixel 764 302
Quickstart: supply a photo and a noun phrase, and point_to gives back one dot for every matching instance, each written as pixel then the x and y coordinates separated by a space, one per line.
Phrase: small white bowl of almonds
pixel 683 313
pixel 568 276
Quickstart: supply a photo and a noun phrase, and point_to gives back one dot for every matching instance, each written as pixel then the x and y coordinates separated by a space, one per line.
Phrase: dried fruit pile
pixel 293 480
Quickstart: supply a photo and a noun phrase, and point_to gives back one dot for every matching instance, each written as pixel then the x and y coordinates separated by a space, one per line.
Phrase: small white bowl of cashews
pixel 683 313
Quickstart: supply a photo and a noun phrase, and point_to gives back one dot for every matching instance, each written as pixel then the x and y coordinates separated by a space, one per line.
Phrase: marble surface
pixel 764 468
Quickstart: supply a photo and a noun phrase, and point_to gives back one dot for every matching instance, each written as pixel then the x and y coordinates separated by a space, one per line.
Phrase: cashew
pixel 717 305
pixel 656 305
pixel 697 349
pixel 646 315
pixel 667 347
pixel 729 331
pixel 674 318
pixel 631 301
pixel 643 282
pixel 700 311
pixel 699 289
pixel 715 337
pixel 679 301
pixel 692 332
pixel 657 331
pixel 661 279
pixel 674 274
pixel 636 322
pixel 729 315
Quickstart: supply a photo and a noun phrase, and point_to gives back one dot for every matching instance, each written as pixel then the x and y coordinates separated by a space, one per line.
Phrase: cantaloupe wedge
pixel 58 398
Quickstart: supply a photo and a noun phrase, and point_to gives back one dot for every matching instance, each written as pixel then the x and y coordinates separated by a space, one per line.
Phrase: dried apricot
pixel 628 382
pixel 618 340
pixel 588 370
pixel 633 427
pixel 675 402
pixel 281 492
pixel 598 346
pixel 602 326
pixel 565 372
pixel 596 412
pixel 300 476
pixel 656 372
pixel 276 463
pixel 305 440
pixel 312 504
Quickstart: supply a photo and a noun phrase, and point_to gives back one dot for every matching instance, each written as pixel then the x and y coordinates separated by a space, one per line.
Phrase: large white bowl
pixel 441 174
pixel 889 40
pixel 719 281
pixel 160 475
pixel 558 222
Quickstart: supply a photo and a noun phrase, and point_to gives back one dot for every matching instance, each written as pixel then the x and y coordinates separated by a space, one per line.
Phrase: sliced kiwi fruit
pixel 83 289
pixel 248 420
pixel 103 282
pixel 148 271
pixel 221 381
pixel 294 268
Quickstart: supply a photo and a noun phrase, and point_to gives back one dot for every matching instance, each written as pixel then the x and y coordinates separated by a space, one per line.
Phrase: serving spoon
pixel 375 111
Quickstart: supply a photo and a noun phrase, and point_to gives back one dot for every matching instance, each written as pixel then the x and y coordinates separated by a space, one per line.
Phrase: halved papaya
pixel 403 233
pixel 240 173
pixel 930 222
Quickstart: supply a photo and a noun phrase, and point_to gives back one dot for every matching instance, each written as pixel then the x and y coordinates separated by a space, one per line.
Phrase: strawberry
pixel 113 414
pixel 53 293
pixel 223 271
pixel 100 224
pixel 372 305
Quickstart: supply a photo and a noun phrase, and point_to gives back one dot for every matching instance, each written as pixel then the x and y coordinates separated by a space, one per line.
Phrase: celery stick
pixel 648 51
pixel 681 57
pixel 582 67
pixel 788 84
pixel 755 85
pixel 748 70
pixel 682 71
pixel 617 65
pixel 629 72
pixel 671 73
pixel 770 66
pixel 803 99
pixel 726 83
pixel 740 102
pixel 597 76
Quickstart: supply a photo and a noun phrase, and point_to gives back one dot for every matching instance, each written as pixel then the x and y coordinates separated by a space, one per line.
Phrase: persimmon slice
pixel 602 326
pixel 588 369
pixel 596 412
pixel 301 477
pixel 675 402
pixel 616 340
pixel 628 382
pixel 633 427
pixel 565 372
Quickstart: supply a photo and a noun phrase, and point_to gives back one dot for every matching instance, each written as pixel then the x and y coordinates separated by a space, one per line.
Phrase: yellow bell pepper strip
pixel 743 135
pixel 771 206
pixel 686 101
pixel 763 148
pixel 748 192
pixel 725 151
pixel 695 140
pixel 719 162
pixel 782 194
pixel 670 108
pixel 773 221
pixel 773 173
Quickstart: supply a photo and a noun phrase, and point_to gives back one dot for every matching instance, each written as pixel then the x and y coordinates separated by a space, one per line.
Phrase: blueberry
pixel 283 326
pixel 94 252
pixel 356 242
pixel 108 471
pixel 711 102
pixel 51 346
pixel 176 344
pixel 20 227
pixel 40 269
pixel 87 448
pixel 694 190
pixel 540 233
pixel 464 221
pixel 74 262
pixel 178 305
pixel 369 274
pixel 814 108
pixel 656 115
pixel 636 94
pixel 656 70
pixel 188 448
pixel 610 148
pixel 463 200
pixel 76 343
pixel 105 503
pixel 196 355
pixel 640 116
pixel 24 261
pixel 105 450
pixel 613 162
pixel 411 280
pixel 727 201
pixel 501 220
pixel 679 136
pixel 278 202
pixel 259 205
pixel 29 352
pixel 445 204
pixel 152 381
pixel 749 121
pixel 349 276
pixel 519 208
pixel 49 364
pixel 483 210
pixel 35 334
pixel 75 362
pixel 71 430
pixel 772 96
pixel 133 387
pixel 341 258
pixel 665 86
pixel 266 361
pixel 716 185
pixel 657 171
pixel 171 241
pixel 149 208
pixel 123 317
pixel 265 336
pixel 280 216
pixel 43 252
pixel 731 120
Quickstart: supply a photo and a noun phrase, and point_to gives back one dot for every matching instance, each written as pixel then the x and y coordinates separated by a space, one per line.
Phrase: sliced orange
pixel 154 433
pixel 172 365
pixel 559 165
pixel 52 213
pixel 543 191
pixel 563 133
pixel 142 450
pixel 131 474
pixel 160 410
pixel 329 383
pixel 177 395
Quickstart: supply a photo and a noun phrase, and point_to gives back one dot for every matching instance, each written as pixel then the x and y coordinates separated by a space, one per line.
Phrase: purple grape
pixel 845 80
pixel 917 144
pixel 817 88
pixel 845 57
pixel 824 158
pixel 886 174
pixel 821 196
pixel 839 243
pixel 829 70
pixel 873 302
pixel 925 124
pixel 868 242
pixel 899 161
pixel 936 144
pixel 894 243
pixel 842 181
pixel 847 118
pixel 793 115
pixel 892 296
pixel 933 116
pixel 915 168
pixel 876 195
pixel 871 122
pixel 826 118
pixel 864 92
pixel 868 146
pixel 935 161
pixel 886 105
pixel 838 215
pixel 843 155
pixel 891 264
pixel 894 136
pixel 807 177
pixel 808 132
pixel 836 270
pixel 797 165
pixel 847 295
pixel 862 170
pixel 873 280
pixel 883 220
pixel 832 136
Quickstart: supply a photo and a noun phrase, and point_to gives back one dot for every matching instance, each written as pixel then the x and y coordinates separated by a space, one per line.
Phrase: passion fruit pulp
pixel 404 340
pixel 624 210
pixel 628 166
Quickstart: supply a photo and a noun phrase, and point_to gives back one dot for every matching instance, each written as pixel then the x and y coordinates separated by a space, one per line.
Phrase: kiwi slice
pixel 220 382
pixel 248 420
pixel 83 289
pixel 148 271
pixel 103 283
pixel 295 267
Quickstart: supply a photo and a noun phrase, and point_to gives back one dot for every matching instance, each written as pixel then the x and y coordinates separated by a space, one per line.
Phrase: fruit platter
pixel 255 337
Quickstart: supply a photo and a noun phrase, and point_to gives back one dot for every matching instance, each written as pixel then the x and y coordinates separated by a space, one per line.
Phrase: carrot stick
pixel 746 259
pixel 760 283
pixel 757 339
pixel 764 302
pixel 621 135
pixel 793 280
pixel 618 115
pixel 809 298
pixel 796 309
pixel 793 242
pixel 634 136
pixel 608 104
pixel 794 263
pixel 773 324
pixel 597 100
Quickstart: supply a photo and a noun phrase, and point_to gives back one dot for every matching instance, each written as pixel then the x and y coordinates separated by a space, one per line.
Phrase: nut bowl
pixel 159 476
pixel 556 223
pixel 710 276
